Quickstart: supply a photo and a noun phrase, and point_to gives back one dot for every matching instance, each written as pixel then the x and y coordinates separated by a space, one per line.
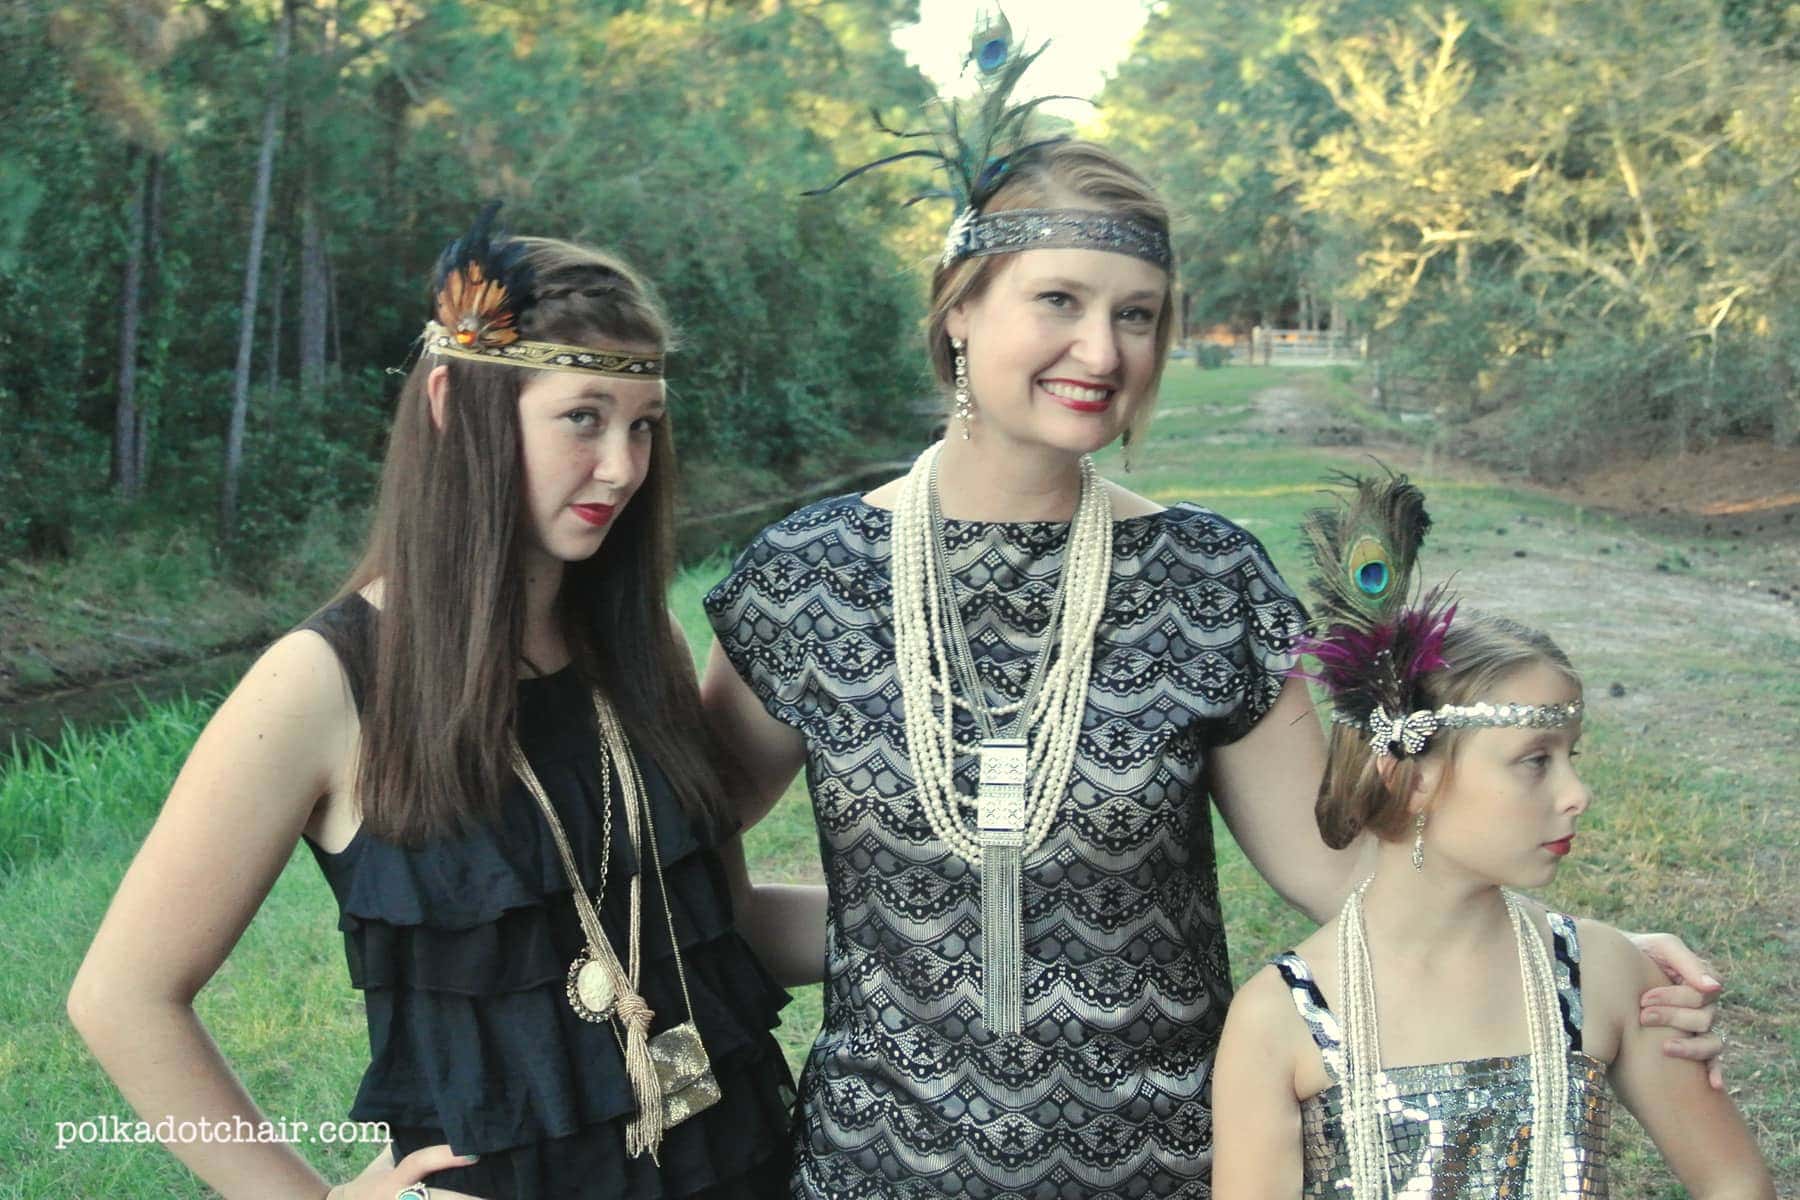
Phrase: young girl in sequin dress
pixel 1426 975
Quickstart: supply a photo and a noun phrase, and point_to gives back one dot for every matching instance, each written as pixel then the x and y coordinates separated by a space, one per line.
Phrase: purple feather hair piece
pixel 1415 639
pixel 1422 630
pixel 1370 647
pixel 1342 654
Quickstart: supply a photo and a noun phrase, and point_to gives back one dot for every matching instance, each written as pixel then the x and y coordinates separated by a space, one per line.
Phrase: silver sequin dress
pixel 1457 1130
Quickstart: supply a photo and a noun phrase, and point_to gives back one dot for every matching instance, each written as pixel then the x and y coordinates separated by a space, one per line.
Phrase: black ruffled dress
pixel 462 947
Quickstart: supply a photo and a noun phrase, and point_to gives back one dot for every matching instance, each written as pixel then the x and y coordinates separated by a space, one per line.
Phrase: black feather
pixel 976 160
pixel 500 258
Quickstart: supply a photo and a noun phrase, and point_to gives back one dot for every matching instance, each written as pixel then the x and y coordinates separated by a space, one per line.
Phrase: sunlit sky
pixel 1087 40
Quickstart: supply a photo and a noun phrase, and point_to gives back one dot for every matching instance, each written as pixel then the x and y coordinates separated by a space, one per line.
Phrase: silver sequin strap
pixel 974 234
pixel 1327 1034
pixel 1566 963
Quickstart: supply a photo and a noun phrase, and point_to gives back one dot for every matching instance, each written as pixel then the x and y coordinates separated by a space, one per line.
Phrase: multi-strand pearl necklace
pixel 1022 777
pixel 1365 1115
pixel 923 664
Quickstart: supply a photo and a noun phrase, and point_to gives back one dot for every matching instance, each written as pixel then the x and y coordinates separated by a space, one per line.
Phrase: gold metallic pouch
pixel 688 1085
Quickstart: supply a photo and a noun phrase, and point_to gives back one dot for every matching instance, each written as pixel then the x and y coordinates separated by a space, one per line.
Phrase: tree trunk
pixel 125 422
pixel 1786 421
pixel 153 283
pixel 277 296
pixel 332 307
pixel 313 288
pixel 259 221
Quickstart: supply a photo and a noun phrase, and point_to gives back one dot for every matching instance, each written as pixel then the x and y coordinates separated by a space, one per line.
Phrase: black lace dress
pixel 1106 1095
pixel 461 949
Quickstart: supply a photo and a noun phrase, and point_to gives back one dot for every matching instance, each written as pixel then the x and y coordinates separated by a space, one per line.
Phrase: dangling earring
pixel 1125 449
pixel 1419 842
pixel 965 406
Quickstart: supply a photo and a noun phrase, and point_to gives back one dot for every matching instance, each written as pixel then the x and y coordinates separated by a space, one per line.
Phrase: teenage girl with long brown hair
pixel 491 742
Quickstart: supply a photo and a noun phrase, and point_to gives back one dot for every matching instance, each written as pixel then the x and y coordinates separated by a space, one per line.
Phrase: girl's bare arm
pixel 1256 1115
pixel 278 744
pixel 1699 1131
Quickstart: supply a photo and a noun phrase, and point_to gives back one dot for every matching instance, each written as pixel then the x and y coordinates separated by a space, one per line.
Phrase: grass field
pixel 1692 739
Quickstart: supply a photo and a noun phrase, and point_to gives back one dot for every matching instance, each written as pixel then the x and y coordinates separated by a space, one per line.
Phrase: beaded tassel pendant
pixel 1000 812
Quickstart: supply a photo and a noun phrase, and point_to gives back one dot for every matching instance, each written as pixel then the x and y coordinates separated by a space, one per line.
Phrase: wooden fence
pixel 1305 347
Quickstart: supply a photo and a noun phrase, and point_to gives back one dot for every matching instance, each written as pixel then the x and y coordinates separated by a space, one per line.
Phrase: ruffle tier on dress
pixel 462 950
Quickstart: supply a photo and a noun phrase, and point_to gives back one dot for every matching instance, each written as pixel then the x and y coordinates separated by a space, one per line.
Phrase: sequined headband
pixel 975 234
pixel 545 356
pixel 1403 737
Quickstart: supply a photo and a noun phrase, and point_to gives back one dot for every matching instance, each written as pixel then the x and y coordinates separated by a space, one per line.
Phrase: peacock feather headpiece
pixel 1374 639
pixel 481 289
pixel 979 149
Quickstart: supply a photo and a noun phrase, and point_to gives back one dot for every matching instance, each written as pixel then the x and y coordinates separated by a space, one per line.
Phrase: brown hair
pixel 1049 178
pixel 447 539
pixel 1482 650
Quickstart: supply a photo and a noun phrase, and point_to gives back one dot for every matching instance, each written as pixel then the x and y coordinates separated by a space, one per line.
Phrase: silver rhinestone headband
pixel 1413 731
pixel 975 234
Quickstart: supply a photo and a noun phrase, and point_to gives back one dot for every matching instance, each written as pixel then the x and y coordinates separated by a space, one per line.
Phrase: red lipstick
pixel 595 514
pixel 1561 846
pixel 1086 406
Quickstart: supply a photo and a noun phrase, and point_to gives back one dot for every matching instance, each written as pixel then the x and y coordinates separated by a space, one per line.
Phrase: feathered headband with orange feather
pixel 482 287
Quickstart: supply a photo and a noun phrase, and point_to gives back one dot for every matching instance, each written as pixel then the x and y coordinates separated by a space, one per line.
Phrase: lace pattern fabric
pixel 1106 1093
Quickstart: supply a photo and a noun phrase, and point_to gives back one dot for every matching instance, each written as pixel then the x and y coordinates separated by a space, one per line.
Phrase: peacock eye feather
pixel 991 45
pixel 1369 567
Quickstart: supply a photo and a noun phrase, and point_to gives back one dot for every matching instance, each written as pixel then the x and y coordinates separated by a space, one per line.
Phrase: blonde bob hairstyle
pixel 1482 651
pixel 1069 174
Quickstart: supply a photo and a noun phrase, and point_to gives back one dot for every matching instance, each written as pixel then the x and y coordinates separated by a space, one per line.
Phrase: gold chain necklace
pixel 671 1078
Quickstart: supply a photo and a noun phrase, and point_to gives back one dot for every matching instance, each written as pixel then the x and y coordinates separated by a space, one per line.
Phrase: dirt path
pixel 1680 617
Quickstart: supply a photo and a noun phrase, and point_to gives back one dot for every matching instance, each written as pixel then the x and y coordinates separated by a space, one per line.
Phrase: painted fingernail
pixel 471 1158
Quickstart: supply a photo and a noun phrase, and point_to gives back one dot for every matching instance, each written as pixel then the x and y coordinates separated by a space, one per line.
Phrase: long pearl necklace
pixel 1022 776
pixel 1365 1113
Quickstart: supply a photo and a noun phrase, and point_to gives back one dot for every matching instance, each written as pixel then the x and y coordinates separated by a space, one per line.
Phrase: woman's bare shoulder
pixel 294 704
pixel 1127 503
pixel 885 496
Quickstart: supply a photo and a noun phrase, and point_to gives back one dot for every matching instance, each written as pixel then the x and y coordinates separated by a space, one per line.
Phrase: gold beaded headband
pixel 483 285
pixel 544 356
